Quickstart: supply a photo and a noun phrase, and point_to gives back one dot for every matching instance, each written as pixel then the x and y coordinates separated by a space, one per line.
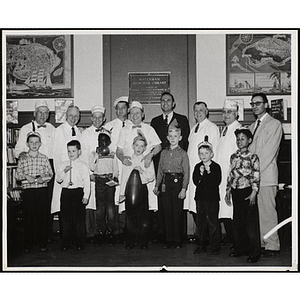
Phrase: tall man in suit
pixel 161 124
pixel 267 134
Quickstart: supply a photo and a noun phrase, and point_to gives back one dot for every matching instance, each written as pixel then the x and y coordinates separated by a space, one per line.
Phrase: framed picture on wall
pixel 258 63
pixel 39 66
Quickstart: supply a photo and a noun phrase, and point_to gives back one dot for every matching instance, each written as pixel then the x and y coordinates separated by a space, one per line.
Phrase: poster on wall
pixel 258 63
pixel 39 66
pixel 61 107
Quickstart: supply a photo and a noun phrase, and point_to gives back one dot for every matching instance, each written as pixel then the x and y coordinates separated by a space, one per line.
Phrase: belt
pixel 174 174
pixel 104 176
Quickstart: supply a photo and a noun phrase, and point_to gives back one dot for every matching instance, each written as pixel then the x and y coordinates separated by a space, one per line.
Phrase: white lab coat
pixel 211 130
pixel 226 147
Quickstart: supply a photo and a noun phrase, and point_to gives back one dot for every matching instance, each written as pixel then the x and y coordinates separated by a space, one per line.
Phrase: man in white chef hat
pixel 227 146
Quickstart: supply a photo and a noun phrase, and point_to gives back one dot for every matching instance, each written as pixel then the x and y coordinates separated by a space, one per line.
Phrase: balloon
pixel 134 190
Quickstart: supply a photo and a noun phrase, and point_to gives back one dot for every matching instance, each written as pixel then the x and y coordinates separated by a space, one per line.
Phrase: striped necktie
pixel 258 122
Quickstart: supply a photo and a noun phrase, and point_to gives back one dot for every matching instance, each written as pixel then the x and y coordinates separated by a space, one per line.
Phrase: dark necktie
pixel 39 126
pixel 123 125
pixel 258 122
pixel 197 127
pixel 166 119
pixel 73 131
pixel 225 131
pixel 136 126
pixel 33 126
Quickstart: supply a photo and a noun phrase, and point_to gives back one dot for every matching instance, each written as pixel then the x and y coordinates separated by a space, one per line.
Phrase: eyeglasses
pixel 258 103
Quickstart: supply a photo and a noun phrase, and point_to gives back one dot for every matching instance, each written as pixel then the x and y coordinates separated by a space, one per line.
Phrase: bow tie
pixel 98 129
pixel 136 126
pixel 39 126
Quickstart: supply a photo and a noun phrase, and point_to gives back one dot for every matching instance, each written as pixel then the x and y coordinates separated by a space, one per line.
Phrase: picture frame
pixel 39 66
pixel 258 63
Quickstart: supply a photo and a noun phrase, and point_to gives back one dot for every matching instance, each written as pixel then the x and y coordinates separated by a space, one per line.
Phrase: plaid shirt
pixel 33 166
pixel 244 171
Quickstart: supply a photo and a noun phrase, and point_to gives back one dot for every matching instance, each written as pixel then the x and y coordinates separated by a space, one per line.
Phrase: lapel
pixel 261 127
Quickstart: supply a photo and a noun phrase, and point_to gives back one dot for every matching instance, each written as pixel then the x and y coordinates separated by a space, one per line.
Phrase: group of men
pixel 267 133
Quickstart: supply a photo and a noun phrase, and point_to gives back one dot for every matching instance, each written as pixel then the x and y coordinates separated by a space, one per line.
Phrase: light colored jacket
pixel 265 144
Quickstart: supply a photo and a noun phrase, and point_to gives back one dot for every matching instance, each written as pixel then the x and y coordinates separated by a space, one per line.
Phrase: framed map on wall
pixel 258 63
pixel 39 66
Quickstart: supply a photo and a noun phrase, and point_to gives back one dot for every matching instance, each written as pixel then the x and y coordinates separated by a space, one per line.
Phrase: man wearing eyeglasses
pixel 267 134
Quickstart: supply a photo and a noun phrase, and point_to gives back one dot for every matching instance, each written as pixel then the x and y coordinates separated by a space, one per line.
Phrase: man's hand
pixel 126 161
pixel 85 201
pixel 147 159
pixel 182 194
pixel 23 155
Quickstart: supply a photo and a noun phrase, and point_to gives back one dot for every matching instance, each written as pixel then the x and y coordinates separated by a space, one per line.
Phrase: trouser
pixel 173 208
pixel 90 222
pixel 72 217
pixel 268 217
pixel 245 223
pixel 35 201
pixel 137 220
pixel 207 217
pixel 50 193
pixel 105 206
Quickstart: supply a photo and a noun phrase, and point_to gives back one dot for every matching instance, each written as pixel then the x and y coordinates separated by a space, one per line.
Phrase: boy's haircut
pixel 33 134
pixel 174 126
pixel 140 137
pixel 74 143
pixel 245 131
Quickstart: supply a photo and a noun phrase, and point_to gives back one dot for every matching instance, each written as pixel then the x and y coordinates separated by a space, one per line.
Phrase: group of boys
pixel 110 152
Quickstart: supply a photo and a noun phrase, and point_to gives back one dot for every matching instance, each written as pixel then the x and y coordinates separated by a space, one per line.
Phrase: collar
pixel 38 154
pixel 262 118
pixel 178 148
pixel 170 116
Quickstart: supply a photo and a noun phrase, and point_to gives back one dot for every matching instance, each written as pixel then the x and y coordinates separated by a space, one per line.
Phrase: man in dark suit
pixel 161 124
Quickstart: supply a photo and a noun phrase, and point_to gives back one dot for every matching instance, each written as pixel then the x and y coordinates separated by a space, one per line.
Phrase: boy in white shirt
pixel 74 177
pixel 137 218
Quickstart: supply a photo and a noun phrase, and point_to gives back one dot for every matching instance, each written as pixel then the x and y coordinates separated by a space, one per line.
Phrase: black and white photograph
pixel 150 151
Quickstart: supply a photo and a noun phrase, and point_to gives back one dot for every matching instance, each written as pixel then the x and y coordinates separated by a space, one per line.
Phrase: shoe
pixel 167 245
pixel 144 246
pixel 79 248
pixel 111 239
pixel 269 253
pixel 178 246
pixel 52 241
pixel 63 248
pixel 253 259
pixel 129 246
pixel 200 249
pixel 98 239
pixel 90 240
pixel 43 248
pixel 237 254
pixel 27 250
pixel 215 252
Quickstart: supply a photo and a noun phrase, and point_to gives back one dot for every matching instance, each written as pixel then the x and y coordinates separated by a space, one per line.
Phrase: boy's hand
pixel 30 179
pixel 126 161
pixel 207 168
pixel 251 198
pixel 139 169
pixel 156 191
pixel 121 199
pixel 92 178
pixel 23 155
pixel 147 159
pixel 85 201
pixel 67 169
pixel 202 169
pixel 182 194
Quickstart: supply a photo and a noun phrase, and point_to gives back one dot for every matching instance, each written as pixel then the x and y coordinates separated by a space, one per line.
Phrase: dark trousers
pixel 72 217
pixel 137 220
pixel 245 223
pixel 173 208
pixel 35 203
pixel 207 217
pixel 105 206
pixel 50 192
